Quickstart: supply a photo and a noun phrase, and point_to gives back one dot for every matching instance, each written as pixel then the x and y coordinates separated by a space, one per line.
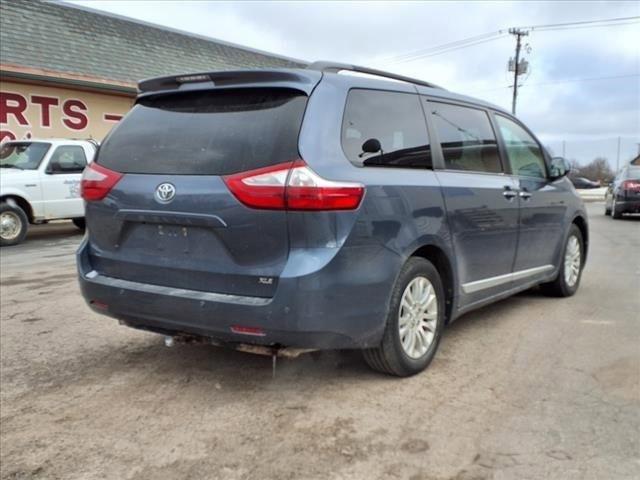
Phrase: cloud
pixel 370 33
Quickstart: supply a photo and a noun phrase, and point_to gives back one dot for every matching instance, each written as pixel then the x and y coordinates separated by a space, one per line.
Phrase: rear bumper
pixel 339 306
pixel 628 206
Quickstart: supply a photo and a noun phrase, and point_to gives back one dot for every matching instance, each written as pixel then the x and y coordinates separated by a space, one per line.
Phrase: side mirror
pixel 559 167
pixel 371 146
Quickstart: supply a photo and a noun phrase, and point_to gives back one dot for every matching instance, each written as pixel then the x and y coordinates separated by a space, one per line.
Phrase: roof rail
pixel 337 67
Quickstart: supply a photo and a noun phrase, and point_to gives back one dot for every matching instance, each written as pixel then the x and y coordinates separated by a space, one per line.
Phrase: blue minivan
pixel 287 210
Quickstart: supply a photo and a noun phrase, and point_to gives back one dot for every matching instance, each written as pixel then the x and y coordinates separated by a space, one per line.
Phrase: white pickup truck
pixel 40 181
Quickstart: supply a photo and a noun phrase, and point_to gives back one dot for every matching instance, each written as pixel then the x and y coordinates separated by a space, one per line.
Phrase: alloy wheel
pixel 418 317
pixel 572 260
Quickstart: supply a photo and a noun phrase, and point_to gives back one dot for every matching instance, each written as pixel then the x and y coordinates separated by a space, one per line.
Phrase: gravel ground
pixel 528 388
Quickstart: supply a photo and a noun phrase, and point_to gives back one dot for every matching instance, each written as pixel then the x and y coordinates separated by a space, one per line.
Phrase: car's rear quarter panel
pixel 402 210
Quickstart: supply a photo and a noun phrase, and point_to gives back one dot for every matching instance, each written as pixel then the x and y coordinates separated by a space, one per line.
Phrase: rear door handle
pixel 508 193
pixel 525 195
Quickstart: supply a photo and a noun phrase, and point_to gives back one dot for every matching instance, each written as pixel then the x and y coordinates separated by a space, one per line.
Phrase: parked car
pixel 40 181
pixel 306 209
pixel 623 194
pixel 583 183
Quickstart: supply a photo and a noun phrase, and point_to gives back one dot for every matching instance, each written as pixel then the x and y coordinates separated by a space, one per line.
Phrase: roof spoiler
pixel 285 78
pixel 334 67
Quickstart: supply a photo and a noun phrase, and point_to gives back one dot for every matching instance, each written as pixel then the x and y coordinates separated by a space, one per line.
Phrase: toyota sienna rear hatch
pixel 160 206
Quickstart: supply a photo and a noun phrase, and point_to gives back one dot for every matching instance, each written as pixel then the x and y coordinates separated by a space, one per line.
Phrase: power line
pixel 579 27
pixel 490 36
pixel 519 67
pixel 447 50
pixel 568 80
pixel 444 46
pixel 577 80
pixel 586 22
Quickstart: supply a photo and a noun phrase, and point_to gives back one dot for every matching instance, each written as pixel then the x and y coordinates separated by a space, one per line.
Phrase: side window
pixel 68 159
pixel 391 124
pixel 525 155
pixel 467 139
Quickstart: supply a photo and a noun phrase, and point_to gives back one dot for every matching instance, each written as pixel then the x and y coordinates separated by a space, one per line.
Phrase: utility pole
pixel 564 155
pixel 618 157
pixel 518 69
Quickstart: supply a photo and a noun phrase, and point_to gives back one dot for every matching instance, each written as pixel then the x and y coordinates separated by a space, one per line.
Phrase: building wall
pixel 38 111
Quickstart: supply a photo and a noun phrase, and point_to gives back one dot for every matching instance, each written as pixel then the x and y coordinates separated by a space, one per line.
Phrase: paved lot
pixel 529 388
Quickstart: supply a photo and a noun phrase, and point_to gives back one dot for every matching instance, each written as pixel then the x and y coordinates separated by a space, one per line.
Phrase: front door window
pixel 524 154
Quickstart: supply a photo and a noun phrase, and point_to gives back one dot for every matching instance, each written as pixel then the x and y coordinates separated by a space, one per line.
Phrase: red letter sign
pixel 16 108
pixel 75 117
pixel 6 134
pixel 45 107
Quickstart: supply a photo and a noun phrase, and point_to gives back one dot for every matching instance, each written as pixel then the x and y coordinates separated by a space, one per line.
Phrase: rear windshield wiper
pixel 11 166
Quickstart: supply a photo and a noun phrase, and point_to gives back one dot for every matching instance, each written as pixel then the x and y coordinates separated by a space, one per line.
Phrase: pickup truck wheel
pixel 79 222
pixel 414 322
pixel 13 224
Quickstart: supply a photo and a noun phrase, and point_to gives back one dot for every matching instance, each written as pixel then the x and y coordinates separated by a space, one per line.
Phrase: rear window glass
pixel 394 120
pixel 633 173
pixel 207 133
pixel 467 139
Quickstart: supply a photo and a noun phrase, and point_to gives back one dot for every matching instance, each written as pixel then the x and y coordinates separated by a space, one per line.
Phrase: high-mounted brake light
pixel 97 181
pixel 293 186
pixel 193 78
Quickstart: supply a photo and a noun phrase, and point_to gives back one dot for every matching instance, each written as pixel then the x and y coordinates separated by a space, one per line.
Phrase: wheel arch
pixel 438 257
pixel 22 202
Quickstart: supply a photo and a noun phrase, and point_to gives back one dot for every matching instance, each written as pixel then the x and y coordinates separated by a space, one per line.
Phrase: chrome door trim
pixel 478 285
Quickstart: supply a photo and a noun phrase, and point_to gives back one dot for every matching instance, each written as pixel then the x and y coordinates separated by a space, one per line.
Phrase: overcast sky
pixel 562 98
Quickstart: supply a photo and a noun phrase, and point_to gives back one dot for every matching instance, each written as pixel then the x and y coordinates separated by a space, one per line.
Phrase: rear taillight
pixel 97 181
pixel 633 185
pixel 293 186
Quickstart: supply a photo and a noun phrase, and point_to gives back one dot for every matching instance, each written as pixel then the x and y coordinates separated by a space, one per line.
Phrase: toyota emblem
pixel 165 192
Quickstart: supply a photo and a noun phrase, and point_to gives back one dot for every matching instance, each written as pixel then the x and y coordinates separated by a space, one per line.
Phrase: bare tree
pixel 575 167
pixel 597 169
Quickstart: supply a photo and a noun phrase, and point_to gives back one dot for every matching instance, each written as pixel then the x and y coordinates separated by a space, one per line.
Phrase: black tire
pixel 607 210
pixel 80 223
pixel 390 357
pixel 14 214
pixel 615 211
pixel 559 286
